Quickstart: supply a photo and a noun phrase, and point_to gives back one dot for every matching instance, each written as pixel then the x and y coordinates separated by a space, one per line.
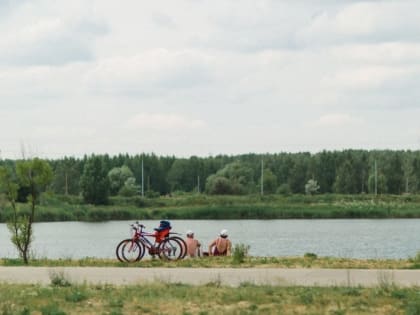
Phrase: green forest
pixel 281 185
pixel 342 172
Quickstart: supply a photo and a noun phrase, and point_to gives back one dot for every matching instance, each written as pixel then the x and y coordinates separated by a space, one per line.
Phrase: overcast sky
pixel 207 77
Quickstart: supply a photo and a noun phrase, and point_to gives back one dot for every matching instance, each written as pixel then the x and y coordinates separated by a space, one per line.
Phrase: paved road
pixel 225 276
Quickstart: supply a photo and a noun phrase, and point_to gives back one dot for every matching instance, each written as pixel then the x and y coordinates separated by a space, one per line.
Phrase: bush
pixel 120 214
pixel 77 295
pixel 284 189
pixel 58 279
pixel 416 258
pixel 310 256
pixel 413 308
pixel 240 251
pixel 98 215
pixel 152 194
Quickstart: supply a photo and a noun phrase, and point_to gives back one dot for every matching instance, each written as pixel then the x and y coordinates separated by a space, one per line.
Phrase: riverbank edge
pixel 308 261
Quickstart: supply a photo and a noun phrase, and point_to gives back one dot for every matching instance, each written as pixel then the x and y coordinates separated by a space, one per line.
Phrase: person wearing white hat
pixel 221 246
pixel 193 245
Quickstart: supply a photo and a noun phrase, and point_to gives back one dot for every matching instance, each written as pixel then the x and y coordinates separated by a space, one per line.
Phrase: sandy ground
pixel 224 276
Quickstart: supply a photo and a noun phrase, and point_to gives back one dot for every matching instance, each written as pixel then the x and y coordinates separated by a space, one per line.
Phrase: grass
pixel 62 296
pixel 201 206
pixel 164 298
pixel 239 259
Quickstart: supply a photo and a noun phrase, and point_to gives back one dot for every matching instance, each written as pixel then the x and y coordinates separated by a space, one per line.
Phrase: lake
pixel 357 238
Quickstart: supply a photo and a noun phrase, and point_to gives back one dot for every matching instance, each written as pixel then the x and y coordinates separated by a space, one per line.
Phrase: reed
pixel 196 206
pixel 309 260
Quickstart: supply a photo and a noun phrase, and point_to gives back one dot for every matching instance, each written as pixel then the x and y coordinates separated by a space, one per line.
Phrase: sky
pixel 207 77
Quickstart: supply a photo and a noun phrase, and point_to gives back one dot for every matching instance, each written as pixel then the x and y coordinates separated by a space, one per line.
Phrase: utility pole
pixel 262 177
pixel 142 178
pixel 198 183
pixel 376 179
pixel 66 184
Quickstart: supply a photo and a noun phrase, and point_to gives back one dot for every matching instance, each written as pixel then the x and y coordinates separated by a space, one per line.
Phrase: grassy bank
pixel 307 261
pixel 200 206
pixel 62 297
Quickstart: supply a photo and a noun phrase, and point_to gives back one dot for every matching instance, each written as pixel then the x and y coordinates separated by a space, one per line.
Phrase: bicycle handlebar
pixel 138 226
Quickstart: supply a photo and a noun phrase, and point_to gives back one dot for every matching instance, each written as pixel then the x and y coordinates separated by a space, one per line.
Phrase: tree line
pixel 96 177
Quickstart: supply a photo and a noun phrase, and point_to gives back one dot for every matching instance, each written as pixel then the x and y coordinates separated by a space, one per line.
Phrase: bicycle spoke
pixel 131 251
pixel 171 249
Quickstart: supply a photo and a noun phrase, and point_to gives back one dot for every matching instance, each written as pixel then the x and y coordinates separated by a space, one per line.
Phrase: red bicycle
pixel 167 245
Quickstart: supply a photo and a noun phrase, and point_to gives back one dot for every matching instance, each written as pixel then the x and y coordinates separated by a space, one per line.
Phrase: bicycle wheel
pixel 171 249
pixel 132 251
pixel 118 249
pixel 184 245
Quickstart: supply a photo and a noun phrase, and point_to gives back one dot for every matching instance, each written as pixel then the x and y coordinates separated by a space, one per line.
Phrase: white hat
pixel 224 232
pixel 189 232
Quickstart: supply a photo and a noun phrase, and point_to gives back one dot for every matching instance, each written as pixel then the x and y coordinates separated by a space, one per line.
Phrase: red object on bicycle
pixel 161 235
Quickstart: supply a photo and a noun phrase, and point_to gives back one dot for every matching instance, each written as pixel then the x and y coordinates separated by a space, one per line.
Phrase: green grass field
pixel 61 298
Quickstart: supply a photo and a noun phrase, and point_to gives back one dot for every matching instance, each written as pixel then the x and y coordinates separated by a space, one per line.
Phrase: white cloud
pixel 338 120
pixel 368 21
pixel 366 77
pixel 48 38
pixel 154 69
pixel 164 122
pixel 390 53
pixel 205 76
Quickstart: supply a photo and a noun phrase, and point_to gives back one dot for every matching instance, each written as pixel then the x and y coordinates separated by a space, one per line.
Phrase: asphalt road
pixel 223 276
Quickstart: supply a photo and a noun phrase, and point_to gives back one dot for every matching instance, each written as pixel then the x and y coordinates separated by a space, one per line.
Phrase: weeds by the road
pixel 165 298
pixel 239 259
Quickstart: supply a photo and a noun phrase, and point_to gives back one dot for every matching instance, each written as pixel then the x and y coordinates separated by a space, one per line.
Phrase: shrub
pixel 120 214
pixel 310 256
pixel 416 258
pixel 58 279
pixel 413 308
pixel 152 194
pixel 240 251
pixel 77 295
pixel 284 189
pixel 52 309
pixel 98 215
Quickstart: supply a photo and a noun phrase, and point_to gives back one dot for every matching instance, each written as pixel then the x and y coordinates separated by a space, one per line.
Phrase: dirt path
pixel 225 276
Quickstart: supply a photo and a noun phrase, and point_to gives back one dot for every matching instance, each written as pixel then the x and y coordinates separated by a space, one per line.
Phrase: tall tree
pixel 325 171
pixel 234 178
pixel 415 173
pixel 66 176
pixel 299 174
pixel 94 182
pixel 180 176
pixel 34 174
pixel 394 173
pixel 117 178
pixel 269 182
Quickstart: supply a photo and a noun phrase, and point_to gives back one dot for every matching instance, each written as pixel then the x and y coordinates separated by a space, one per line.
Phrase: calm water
pixel 340 238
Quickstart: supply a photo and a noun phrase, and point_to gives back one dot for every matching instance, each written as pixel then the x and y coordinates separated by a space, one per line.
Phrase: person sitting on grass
pixel 221 246
pixel 193 245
